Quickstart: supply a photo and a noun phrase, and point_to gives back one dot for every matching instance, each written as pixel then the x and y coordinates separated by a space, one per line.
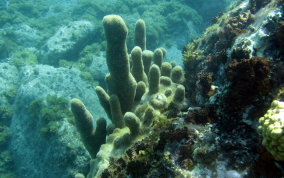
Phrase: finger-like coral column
pixel 132 122
pixel 121 82
pixel 140 90
pixel 179 96
pixel 91 137
pixel 154 79
pixel 147 57
pixel 177 74
pixel 117 116
pixel 137 65
pixel 149 116
pixel 140 34
pixel 158 57
pixel 104 100
pixel 166 69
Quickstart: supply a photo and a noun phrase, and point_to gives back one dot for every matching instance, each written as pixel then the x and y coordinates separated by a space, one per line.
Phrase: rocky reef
pixel 232 72
pixel 77 102
pixel 231 77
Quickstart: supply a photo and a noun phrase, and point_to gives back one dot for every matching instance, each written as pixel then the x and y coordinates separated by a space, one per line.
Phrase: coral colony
pixel 135 98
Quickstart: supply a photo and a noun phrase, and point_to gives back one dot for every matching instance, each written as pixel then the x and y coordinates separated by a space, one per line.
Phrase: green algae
pixel 50 112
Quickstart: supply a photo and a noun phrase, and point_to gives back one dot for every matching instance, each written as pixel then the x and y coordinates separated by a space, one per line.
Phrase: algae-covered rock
pixel 43 124
pixel 68 41
pixel 8 79
pixel 24 57
pixel 23 34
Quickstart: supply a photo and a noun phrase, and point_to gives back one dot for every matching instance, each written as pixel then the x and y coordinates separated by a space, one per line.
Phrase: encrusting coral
pixel 134 98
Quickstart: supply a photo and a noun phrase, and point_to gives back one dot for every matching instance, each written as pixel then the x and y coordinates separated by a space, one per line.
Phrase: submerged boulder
pixel 68 41
pixel 44 142
pixel 8 79
pixel 22 34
